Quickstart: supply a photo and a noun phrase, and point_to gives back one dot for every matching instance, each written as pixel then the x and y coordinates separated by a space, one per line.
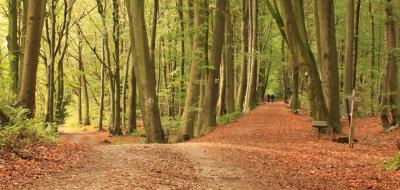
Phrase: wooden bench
pixel 320 125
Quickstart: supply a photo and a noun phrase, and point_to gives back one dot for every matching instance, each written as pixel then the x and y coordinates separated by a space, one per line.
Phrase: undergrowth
pixel 228 118
pixel 393 164
pixel 19 140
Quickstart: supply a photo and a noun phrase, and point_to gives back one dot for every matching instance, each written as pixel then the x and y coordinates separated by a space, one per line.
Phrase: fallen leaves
pixel 43 160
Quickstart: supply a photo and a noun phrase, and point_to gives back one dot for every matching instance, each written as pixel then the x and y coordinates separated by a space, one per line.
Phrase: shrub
pixel 18 140
pixel 228 118
pixel 393 164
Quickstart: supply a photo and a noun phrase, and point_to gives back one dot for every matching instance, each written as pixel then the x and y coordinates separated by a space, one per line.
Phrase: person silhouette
pixel 272 98
pixel 268 98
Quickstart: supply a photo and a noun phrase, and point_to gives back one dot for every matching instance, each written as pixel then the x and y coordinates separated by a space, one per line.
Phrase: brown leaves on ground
pixel 43 160
pixel 283 148
pixel 270 148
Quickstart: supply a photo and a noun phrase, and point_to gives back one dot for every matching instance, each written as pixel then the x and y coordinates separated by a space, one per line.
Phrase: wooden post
pixel 351 124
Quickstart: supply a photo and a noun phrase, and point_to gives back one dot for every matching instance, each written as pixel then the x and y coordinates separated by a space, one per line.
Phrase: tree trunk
pixel 356 37
pixel 243 66
pixel 145 73
pixel 132 80
pixel 102 90
pixel 23 38
pixel 83 90
pixel 349 55
pixel 26 96
pixel 294 101
pixel 251 94
pixel 373 64
pixel 13 48
pixel 222 89
pixel 299 47
pixel 208 111
pixel 390 113
pixel 229 63
pixel 116 37
pixel 199 57
pixel 329 59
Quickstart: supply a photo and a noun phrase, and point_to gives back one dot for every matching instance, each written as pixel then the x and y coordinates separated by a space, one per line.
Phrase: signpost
pixel 350 105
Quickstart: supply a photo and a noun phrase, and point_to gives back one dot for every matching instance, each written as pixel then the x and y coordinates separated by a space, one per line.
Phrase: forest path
pixel 270 148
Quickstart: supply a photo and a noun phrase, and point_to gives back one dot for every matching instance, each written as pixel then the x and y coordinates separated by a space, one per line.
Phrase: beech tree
pixel 34 28
pixel 145 73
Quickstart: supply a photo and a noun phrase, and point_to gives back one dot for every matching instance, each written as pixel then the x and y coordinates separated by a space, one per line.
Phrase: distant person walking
pixel 272 98
pixel 268 98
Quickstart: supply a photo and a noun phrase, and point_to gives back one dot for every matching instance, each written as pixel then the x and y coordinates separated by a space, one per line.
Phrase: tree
pixel 208 109
pixel 199 58
pixel 132 80
pixel 13 47
pixel 251 93
pixel 349 55
pixel 243 65
pixel 116 37
pixel 229 63
pixel 299 47
pixel 26 96
pixel 145 73
pixel 390 114
pixel 329 61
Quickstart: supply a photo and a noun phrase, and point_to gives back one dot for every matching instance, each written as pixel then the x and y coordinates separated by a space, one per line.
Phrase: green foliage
pixel 228 118
pixel 18 140
pixel 393 164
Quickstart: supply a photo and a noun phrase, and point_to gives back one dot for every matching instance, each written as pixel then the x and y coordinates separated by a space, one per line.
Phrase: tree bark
pixel 132 79
pixel 251 94
pixel 116 37
pixel 13 47
pixel 199 58
pixel 301 49
pixel 145 73
pixel 229 63
pixel 329 60
pixel 243 65
pixel 208 111
pixel 349 55
pixel 26 96
pixel 390 114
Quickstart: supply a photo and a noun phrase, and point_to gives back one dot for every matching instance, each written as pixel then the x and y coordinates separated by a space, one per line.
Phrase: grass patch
pixel 228 118
pixel 393 164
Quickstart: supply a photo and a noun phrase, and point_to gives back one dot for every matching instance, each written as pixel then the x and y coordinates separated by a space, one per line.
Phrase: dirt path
pixel 268 149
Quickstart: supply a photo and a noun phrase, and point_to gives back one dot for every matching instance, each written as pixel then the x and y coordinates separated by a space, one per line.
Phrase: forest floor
pixel 270 148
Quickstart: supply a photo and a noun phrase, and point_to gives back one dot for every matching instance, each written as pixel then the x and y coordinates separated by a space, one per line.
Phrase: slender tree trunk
pixel 229 63
pixel 23 38
pixel 317 32
pixel 116 36
pixel 243 66
pixel 26 96
pixel 83 90
pixel 251 94
pixel 349 55
pixel 356 37
pixel 373 64
pixel 102 93
pixel 13 47
pixel 132 79
pixel 222 89
pixel 145 73
pixel 294 101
